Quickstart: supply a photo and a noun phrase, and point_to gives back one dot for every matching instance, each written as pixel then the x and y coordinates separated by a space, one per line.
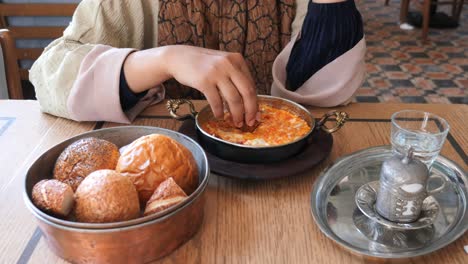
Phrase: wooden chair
pixel 12 72
pixel 9 33
pixel 457 7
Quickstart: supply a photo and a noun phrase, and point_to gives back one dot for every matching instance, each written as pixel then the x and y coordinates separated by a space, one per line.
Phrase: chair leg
pixel 454 8
pixel 404 10
pixel 7 42
pixel 426 17
pixel 459 10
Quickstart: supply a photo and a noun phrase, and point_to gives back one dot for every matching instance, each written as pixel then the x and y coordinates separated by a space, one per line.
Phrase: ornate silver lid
pixel 400 169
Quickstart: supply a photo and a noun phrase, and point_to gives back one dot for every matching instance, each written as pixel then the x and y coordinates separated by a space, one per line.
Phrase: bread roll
pixel 53 197
pixel 106 196
pixel 83 157
pixel 166 195
pixel 150 160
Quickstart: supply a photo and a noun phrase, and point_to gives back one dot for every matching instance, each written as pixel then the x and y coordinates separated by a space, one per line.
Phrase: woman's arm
pixel 218 75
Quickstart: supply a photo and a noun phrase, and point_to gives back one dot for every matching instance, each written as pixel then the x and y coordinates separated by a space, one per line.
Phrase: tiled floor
pixel 401 69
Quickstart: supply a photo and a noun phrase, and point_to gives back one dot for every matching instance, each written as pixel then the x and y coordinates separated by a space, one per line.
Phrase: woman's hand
pixel 218 75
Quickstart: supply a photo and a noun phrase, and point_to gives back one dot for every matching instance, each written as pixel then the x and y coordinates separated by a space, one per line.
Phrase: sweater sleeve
pixel 77 76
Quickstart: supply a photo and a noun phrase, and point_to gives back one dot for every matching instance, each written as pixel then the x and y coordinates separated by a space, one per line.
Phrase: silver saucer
pixel 335 212
pixel 366 196
pixel 389 238
pixel 391 234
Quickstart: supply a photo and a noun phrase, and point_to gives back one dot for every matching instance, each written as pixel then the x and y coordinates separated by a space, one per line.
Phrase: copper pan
pixel 251 154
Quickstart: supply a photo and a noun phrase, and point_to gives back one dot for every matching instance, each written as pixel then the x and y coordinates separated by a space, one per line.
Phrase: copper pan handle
pixel 339 117
pixel 174 104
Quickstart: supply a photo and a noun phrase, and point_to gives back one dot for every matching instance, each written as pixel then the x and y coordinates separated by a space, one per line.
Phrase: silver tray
pixel 333 204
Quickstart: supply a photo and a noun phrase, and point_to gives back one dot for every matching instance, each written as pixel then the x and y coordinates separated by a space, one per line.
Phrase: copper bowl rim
pixel 292 105
pixel 122 225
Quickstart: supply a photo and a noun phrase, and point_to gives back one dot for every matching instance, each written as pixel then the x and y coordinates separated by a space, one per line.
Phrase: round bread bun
pixel 53 197
pixel 150 160
pixel 83 157
pixel 106 196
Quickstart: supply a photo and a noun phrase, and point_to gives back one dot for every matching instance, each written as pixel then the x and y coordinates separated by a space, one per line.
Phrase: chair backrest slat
pixel 24 74
pixel 11 52
pixel 37 9
pixel 28 53
pixel 36 32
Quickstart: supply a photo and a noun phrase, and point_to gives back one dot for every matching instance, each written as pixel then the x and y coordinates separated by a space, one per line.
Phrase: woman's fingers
pixel 214 99
pixel 241 78
pixel 248 94
pixel 244 67
pixel 234 100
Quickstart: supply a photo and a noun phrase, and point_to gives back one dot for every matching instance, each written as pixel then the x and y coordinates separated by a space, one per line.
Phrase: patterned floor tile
pixel 444 83
pixel 367 99
pixel 397 75
pixel 413 99
pixel 463 84
pixel 401 69
pixel 401 83
pixel 458 100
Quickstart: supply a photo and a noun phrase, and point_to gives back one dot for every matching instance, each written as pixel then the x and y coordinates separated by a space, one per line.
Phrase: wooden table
pixel 245 221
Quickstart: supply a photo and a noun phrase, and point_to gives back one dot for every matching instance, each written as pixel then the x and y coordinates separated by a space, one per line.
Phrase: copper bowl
pixel 136 241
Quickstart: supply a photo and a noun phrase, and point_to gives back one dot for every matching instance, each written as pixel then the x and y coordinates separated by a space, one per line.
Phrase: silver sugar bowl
pixel 403 181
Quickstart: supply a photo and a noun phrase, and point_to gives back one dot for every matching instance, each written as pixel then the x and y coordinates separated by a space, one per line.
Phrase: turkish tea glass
pixel 423 131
